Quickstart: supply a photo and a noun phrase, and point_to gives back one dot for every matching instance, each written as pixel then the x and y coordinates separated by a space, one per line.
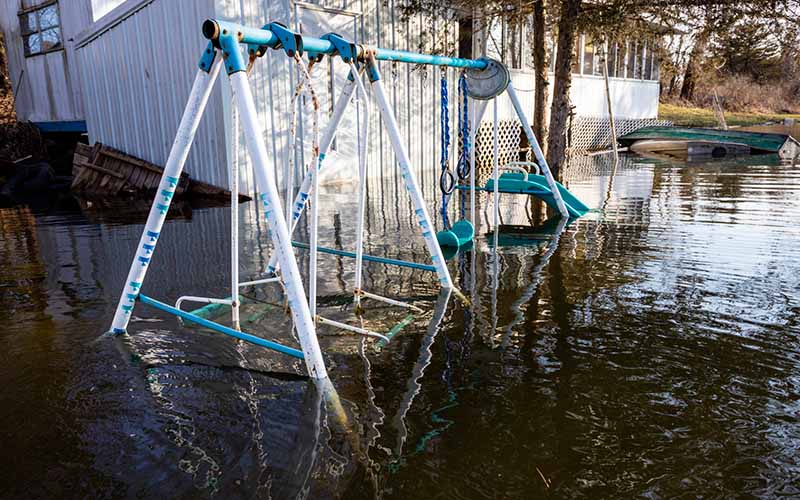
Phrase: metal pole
pixel 325 144
pixel 418 202
pixel 477 116
pixel 201 90
pixel 280 232
pixel 495 171
pixel 537 150
pixel 608 103
pixel 362 133
pixel 234 216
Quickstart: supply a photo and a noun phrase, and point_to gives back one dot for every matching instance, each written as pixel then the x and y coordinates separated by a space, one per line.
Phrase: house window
pixel 40 29
pixel 588 56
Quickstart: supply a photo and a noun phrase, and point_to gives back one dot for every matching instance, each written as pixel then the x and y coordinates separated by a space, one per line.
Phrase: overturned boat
pixel 702 143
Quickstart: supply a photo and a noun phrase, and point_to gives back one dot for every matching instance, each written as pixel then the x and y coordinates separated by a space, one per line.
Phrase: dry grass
pixel 741 94
pixel 17 140
pixel 690 116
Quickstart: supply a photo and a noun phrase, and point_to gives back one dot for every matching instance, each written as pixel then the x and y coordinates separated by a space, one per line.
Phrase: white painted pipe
pixel 362 133
pixel 324 146
pixel 477 115
pixel 201 90
pixel 496 168
pixel 201 300
pixel 354 329
pixel 279 230
pixel 259 282
pixel 417 200
pixel 380 298
pixel 537 150
pixel 234 217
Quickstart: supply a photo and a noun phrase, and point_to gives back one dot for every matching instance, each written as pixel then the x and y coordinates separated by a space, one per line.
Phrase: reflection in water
pixel 649 348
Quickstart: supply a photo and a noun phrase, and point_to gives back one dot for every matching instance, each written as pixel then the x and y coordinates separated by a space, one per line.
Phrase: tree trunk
pixel 693 67
pixel 540 64
pixel 559 111
pixel 465 29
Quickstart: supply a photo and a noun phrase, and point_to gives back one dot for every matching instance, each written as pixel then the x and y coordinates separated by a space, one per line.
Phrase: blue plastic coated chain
pixel 447 181
pixel 463 125
pixel 463 168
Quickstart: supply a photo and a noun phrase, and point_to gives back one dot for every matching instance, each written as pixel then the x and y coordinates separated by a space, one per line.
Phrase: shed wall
pixel 45 86
pixel 136 75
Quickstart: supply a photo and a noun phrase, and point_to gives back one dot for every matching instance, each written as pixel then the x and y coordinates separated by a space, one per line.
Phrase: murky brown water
pixel 652 350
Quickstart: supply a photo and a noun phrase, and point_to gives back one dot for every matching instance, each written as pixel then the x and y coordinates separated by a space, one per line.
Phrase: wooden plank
pixel 102 170
pixel 130 159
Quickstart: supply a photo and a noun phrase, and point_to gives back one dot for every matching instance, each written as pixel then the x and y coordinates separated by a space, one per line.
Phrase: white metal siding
pixel 135 98
pixel 45 86
pixel 136 76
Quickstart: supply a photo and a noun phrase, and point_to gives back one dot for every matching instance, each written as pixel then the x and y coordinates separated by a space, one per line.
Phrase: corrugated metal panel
pixel 137 75
pixel 135 103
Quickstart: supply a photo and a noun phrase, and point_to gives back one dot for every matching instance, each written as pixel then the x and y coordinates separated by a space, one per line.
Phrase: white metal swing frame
pixel 227 38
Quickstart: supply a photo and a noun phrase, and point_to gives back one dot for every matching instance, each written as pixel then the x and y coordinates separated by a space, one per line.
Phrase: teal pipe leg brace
pixel 368 258
pixel 186 316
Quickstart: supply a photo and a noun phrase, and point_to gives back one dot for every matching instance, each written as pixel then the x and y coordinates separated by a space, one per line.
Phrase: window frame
pixel 25 35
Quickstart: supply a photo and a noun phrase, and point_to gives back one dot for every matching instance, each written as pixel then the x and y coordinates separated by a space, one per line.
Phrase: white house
pixel 121 70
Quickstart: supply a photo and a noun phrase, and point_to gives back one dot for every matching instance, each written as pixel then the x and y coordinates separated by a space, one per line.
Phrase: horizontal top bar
pixel 212 29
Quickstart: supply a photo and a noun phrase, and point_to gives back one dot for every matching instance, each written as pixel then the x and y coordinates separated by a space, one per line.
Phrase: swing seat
pixel 459 235
pixel 536 185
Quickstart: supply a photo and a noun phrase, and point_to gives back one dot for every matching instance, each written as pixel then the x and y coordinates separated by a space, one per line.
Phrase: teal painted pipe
pixel 417 58
pixel 295 353
pixel 369 258
pixel 213 28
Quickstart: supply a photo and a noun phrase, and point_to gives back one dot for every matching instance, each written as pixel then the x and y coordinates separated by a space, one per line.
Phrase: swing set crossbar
pixel 369 258
pixel 187 316
pixel 266 37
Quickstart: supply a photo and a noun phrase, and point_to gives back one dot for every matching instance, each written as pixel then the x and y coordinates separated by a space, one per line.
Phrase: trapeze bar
pixel 370 258
pixel 264 37
pixel 290 351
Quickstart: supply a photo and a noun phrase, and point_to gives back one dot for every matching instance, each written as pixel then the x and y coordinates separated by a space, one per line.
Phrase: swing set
pixel 236 48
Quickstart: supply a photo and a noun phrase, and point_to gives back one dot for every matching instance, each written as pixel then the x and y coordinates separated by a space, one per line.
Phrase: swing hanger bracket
pixel 208 57
pixel 346 49
pixel 288 40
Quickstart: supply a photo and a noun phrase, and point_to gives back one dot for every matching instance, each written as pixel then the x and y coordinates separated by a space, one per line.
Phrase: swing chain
pixel 463 166
pixel 447 181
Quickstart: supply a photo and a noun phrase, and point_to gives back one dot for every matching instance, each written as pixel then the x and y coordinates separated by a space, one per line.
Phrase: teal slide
pixel 536 185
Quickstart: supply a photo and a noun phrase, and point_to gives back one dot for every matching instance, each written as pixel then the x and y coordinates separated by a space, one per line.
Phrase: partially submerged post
pixel 611 123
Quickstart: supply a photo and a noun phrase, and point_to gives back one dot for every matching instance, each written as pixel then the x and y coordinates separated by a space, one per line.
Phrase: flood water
pixel 651 349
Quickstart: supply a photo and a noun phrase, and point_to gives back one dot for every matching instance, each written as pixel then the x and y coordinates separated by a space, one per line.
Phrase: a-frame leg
pixel 537 150
pixel 417 200
pixel 281 238
pixel 198 98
